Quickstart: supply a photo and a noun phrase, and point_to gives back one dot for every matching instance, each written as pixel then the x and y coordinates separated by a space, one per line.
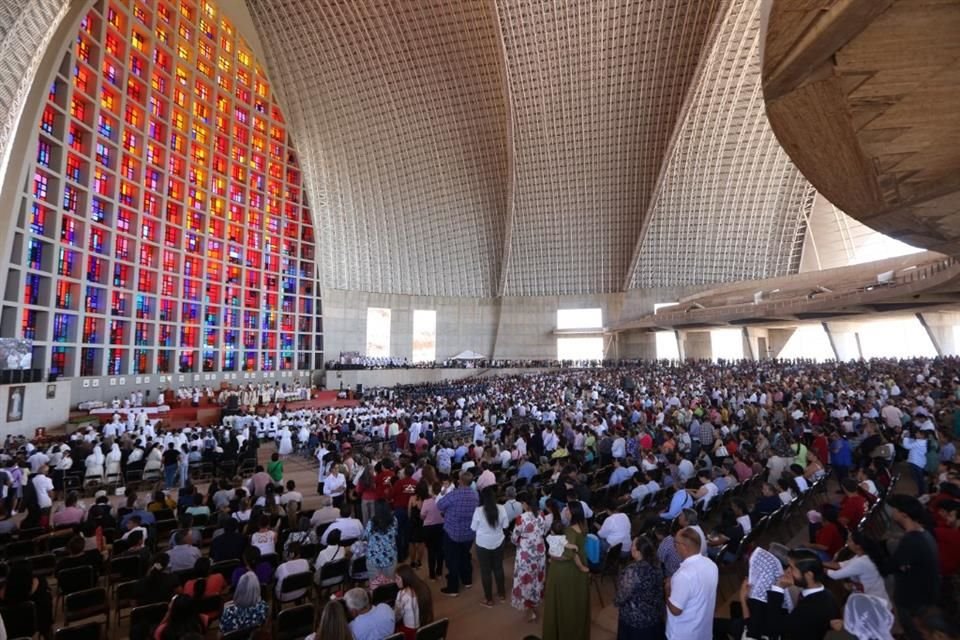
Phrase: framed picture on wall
pixel 51 391
pixel 15 398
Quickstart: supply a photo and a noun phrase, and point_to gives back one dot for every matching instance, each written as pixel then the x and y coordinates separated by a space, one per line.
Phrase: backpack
pixel 592 548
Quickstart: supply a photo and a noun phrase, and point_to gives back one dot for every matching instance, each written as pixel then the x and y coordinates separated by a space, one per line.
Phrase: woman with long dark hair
pixel 21 586
pixel 415 520
pixel 414 605
pixel 182 618
pixel 640 595
pixel 382 541
pixel 566 613
pixel 863 568
pixel 489 522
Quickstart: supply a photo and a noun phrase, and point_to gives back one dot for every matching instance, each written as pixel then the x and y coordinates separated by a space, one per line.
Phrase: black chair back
pixel 76 579
pixel 86 631
pixel 334 573
pixel 436 630
pixel 295 622
pixel 296 582
pixel 86 604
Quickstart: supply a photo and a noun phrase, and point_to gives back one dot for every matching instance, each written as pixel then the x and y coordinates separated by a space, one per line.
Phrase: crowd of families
pixel 668 479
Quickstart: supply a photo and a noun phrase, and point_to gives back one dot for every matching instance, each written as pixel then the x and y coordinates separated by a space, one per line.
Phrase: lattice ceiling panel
pixel 25 30
pixel 400 118
pixel 730 203
pixel 596 89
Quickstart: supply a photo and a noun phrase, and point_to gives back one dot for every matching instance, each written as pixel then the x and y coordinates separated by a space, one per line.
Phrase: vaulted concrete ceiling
pixel 534 147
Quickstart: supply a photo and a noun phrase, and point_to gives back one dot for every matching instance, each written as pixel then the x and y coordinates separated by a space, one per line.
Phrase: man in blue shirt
pixel 681 500
pixel 457 508
pixel 369 623
pixel 527 470
pixel 620 473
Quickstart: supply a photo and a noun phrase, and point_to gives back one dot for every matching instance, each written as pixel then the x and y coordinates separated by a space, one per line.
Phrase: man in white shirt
pixel 619 448
pixel 37 459
pixel 691 591
pixel 291 494
pixel 349 528
pixel 335 485
pixel 616 530
pixel 43 486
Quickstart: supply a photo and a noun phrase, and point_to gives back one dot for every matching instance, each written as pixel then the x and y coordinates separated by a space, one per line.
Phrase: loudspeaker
pixel 53 377
pixel 6 376
pixel 359 390
pixel 233 403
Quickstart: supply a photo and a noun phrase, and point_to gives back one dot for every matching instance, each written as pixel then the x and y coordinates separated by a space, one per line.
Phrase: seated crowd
pixel 823 500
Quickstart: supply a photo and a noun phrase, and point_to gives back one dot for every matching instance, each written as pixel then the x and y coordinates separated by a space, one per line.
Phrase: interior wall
pixel 502 328
pixel 38 408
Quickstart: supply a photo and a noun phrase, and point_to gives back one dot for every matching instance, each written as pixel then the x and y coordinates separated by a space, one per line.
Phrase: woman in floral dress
pixel 529 567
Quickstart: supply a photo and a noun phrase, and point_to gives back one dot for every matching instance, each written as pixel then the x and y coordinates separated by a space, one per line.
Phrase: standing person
pixel 810 618
pixel 432 530
pixel 367 490
pixel 691 591
pixel 415 518
pixel 917 458
pixel 275 468
pixel 915 563
pixel 530 562
pixel 457 508
pixel 382 541
pixel 335 485
pixel 171 463
pixel 489 521
pixel 566 612
pixel 414 605
pixel 640 596
pixel 401 491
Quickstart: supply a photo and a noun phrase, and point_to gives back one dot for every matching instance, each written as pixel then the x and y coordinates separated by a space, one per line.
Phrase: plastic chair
pixel 334 573
pixel 609 567
pixel 302 581
pixel 125 595
pixel 88 631
pixel 436 630
pixel 74 580
pixel 296 622
pixel 86 604
pixel 145 618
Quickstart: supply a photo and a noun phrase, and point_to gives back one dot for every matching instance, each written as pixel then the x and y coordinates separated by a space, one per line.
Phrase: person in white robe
pixel 286 442
pixel 154 463
pixel 94 465
pixel 113 463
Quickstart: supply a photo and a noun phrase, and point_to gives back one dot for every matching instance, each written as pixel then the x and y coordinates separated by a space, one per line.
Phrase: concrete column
pixel 844 340
pixel 777 339
pixel 696 345
pixel 940 327
pixel 638 344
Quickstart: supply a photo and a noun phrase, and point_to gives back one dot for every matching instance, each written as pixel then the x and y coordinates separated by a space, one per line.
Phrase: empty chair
pixel 125 595
pixel 74 580
pixel 225 568
pixel 295 622
pixel 436 630
pixel 609 568
pixel 44 564
pixel 123 569
pixel 87 631
pixel 145 618
pixel 86 604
